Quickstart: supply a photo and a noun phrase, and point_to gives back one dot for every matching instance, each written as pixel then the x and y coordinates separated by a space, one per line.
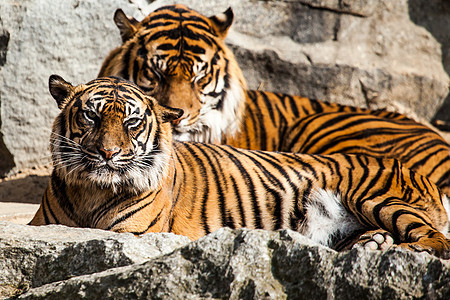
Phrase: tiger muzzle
pixel 108 154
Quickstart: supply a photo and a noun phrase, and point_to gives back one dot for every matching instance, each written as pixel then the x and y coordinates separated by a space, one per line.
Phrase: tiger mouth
pixel 103 167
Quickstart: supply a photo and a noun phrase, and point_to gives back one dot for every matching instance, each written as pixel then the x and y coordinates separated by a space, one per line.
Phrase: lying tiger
pixel 117 168
pixel 179 56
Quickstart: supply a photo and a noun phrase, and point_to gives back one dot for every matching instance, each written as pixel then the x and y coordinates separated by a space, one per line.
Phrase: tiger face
pixel 111 134
pixel 179 56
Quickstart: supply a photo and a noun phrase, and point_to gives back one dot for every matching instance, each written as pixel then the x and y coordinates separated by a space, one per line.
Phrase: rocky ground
pixel 57 262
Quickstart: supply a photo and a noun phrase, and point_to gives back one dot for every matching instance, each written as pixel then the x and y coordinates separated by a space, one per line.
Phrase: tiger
pixel 117 167
pixel 180 57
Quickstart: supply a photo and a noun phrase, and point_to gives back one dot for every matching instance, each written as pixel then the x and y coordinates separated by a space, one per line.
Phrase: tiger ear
pixel 170 113
pixel 60 89
pixel 223 21
pixel 127 25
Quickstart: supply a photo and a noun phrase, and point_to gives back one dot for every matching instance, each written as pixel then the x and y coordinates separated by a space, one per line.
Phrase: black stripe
pixel 298 158
pixel 269 107
pixel 59 191
pixel 303 123
pixel 126 59
pixel 389 201
pixel 216 180
pixel 410 228
pixel 361 181
pixel 400 212
pixel 277 198
pixel 52 214
pixel 293 105
pixel 444 180
pixel 239 202
pixel 317 106
pixel 305 192
pixel 44 210
pixel 424 160
pixel 204 192
pixel 152 223
pixel 131 213
pixel 249 183
pixel 107 206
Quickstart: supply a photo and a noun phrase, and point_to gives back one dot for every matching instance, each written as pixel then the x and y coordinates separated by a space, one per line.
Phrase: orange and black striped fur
pixel 117 168
pixel 179 56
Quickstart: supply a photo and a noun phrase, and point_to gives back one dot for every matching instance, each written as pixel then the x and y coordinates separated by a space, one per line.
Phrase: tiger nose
pixel 177 121
pixel 108 153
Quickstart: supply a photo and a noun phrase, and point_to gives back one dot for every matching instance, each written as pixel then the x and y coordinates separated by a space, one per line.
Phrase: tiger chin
pixel 117 168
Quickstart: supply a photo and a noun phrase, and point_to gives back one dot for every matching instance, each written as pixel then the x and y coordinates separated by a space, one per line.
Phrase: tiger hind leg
pixel 413 228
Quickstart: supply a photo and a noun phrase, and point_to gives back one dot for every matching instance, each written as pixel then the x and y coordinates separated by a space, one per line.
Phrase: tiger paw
pixel 375 240
pixel 439 246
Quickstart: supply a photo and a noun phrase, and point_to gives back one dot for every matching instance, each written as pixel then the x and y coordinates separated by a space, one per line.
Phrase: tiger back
pixel 180 57
pixel 117 168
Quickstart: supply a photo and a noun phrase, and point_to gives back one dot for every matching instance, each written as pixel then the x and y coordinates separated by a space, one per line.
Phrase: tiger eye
pixel 148 89
pixel 90 115
pixel 133 122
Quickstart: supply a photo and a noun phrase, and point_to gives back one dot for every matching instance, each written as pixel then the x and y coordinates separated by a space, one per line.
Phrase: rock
pixel 257 264
pixel 434 16
pixel 19 213
pixel 364 53
pixel 32 256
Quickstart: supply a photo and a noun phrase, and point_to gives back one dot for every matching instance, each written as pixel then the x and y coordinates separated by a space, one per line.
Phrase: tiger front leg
pixel 413 228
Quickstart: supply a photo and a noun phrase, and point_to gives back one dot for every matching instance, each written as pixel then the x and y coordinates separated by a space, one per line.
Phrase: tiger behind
pixel 180 57
pixel 117 168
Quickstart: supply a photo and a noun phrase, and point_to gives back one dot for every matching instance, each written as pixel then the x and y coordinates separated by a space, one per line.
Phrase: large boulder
pixel 364 53
pixel 57 262
pixel 32 256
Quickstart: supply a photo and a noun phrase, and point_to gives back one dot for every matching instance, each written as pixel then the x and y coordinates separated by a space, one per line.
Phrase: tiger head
pixel 179 56
pixel 111 134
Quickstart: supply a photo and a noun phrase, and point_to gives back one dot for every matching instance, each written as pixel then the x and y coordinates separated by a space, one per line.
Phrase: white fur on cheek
pixel 213 124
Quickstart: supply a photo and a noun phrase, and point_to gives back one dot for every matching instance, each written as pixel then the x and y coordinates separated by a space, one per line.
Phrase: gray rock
pixel 32 256
pixel 434 16
pixel 255 264
pixel 364 53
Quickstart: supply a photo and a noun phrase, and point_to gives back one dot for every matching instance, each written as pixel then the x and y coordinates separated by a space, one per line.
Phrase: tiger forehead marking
pixel 112 97
pixel 168 34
